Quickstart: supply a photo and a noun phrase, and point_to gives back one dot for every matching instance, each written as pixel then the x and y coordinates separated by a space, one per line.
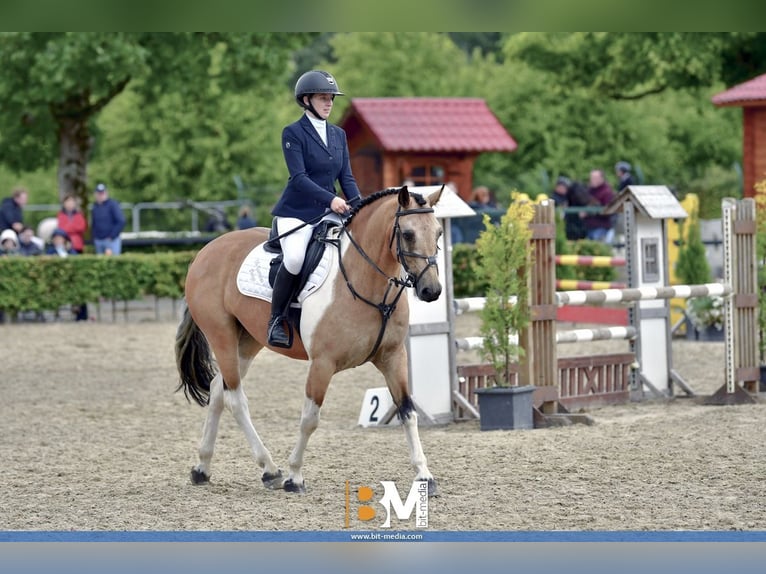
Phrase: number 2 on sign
pixel 375 402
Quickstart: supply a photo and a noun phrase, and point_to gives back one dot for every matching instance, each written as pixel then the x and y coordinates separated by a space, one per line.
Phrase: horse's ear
pixel 404 197
pixel 433 199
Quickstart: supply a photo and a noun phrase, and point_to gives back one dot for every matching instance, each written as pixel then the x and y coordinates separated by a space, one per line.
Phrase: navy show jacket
pixel 313 169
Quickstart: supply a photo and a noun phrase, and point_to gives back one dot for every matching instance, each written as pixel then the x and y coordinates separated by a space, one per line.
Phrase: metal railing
pixel 134 211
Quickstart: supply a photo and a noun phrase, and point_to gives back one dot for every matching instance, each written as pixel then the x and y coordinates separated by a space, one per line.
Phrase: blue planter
pixel 710 334
pixel 706 334
pixel 506 408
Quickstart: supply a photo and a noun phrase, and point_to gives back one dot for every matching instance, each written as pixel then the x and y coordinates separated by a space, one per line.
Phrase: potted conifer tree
pixel 504 253
pixel 704 315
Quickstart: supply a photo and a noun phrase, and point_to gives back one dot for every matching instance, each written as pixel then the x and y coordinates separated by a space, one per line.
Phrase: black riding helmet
pixel 315 82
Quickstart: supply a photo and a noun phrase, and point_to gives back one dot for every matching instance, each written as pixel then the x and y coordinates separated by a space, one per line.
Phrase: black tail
pixel 194 361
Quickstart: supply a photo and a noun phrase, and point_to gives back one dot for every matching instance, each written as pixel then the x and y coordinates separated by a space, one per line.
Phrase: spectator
pixel 217 222
pixel 61 245
pixel 29 244
pixel 482 198
pixel 73 222
pixel 624 177
pixel 599 227
pixel 12 210
pixel 568 193
pixel 9 242
pixel 107 223
pixel 245 219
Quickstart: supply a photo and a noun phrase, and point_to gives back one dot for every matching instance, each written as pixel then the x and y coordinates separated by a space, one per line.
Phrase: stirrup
pixel 277 336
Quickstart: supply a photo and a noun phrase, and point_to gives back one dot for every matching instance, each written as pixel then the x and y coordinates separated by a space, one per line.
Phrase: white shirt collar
pixel 319 125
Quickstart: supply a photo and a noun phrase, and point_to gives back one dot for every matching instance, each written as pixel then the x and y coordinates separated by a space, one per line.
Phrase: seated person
pixel 9 242
pixel 28 243
pixel 60 244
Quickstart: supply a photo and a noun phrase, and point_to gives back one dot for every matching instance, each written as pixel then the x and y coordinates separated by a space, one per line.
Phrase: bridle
pixel 386 307
pixel 412 280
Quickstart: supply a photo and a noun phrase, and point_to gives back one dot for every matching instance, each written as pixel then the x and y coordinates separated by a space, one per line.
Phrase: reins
pixel 386 308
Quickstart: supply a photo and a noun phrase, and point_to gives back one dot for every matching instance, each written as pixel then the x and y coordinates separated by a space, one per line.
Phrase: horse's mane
pixel 378 195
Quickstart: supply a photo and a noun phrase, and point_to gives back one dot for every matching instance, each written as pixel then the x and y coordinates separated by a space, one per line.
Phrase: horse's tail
pixel 195 363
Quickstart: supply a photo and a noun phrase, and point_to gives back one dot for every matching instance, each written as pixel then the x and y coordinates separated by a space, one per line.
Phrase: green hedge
pixel 49 282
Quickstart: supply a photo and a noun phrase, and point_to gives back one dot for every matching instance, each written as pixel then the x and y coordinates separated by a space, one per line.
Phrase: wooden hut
pixel 751 97
pixel 427 141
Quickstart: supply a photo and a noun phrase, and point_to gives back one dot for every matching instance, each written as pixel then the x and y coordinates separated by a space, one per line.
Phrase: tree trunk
pixel 74 149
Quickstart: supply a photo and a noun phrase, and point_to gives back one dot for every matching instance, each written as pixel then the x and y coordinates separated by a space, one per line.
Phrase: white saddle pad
pixel 253 275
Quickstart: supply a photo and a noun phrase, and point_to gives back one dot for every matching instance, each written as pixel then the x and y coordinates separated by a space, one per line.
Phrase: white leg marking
pixel 210 430
pixel 417 456
pixel 237 403
pixel 309 423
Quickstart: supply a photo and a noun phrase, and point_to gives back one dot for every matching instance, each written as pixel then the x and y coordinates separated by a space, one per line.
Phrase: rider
pixel 316 154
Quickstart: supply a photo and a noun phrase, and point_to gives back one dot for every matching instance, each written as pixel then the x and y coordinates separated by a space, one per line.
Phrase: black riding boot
pixel 284 288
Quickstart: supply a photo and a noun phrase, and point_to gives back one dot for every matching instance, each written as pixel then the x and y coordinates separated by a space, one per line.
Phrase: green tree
pixel 628 66
pixel 55 85
pixel 504 261
pixel 408 64
pixel 566 127
pixel 692 267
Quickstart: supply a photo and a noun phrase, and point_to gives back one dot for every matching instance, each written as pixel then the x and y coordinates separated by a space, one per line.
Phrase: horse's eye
pixel 408 236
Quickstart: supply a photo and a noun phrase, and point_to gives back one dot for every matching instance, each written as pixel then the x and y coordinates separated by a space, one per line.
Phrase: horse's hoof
pixel 290 486
pixel 199 477
pixel 272 480
pixel 433 489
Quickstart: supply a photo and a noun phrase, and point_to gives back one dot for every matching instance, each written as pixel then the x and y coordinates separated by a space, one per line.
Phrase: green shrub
pixel 49 282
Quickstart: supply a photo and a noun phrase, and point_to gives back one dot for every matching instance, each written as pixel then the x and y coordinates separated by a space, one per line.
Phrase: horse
pixel 388 243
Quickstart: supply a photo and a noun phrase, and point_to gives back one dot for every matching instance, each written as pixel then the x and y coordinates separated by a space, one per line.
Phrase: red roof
pixel 432 124
pixel 750 91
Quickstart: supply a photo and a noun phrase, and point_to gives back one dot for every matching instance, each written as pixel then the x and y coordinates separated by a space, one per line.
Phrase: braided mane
pixel 378 195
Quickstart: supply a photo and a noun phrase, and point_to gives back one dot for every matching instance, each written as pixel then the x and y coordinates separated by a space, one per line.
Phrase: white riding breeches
pixel 294 245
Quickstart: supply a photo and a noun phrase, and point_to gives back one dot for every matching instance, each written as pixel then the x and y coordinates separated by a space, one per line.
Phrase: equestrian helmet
pixel 315 82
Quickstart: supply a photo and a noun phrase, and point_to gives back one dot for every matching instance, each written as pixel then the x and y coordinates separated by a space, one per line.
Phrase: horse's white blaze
pixel 317 304
pixel 309 423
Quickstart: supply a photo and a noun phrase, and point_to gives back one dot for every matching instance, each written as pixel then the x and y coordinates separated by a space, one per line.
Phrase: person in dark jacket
pixel 30 245
pixel 316 154
pixel 245 218
pixel 568 193
pixel 624 177
pixel 107 223
pixel 12 210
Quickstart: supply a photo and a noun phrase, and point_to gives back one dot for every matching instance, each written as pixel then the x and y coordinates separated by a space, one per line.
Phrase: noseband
pixel 385 307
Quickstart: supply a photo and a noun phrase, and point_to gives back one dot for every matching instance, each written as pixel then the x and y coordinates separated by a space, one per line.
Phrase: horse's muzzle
pixel 429 292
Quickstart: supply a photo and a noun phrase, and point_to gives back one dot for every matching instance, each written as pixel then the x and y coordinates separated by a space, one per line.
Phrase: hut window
pixel 428 174
pixel 650 268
